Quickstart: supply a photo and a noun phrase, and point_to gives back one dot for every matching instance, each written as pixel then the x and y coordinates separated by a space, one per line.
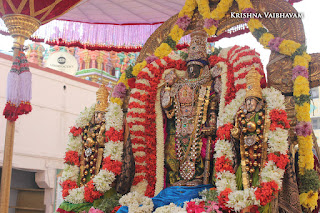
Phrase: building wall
pixel 41 136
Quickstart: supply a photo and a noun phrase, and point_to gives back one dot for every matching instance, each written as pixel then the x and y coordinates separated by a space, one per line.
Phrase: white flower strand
pixel 70 172
pixel 76 196
pixel 103 180
pixel 137 203
pixel 85 116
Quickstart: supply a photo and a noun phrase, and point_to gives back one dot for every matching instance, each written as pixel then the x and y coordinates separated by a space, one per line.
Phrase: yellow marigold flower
pixel 254 24
pixel 117 101
pixel 163 50
pixel 188 8
pixel 309 200
pixel 305 142
pixel 301 86
pixel 265 38
pixel 124 80
pixel 138 67
pixel 288 47
pixel 303 112
pixel 211 31
pixel 302 60
pixel 243 4
pixel 176 33
pixel 203 7
pixel 206 15
pixel 309 161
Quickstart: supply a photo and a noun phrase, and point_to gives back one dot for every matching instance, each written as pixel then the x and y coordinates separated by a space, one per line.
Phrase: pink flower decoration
pixel 299 70
pixel 151 59
pixel 304 128
pixel 214 207
pixel 248 10
pixel 274 43
pixel 183 22
pixel 208 22
pixel 93 210
pixel 119 91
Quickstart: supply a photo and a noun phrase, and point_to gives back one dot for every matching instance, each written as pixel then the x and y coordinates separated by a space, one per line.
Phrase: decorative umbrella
pixel 22 18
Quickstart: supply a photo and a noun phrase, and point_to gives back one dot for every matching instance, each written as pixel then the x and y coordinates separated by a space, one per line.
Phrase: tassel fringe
pixel 18 89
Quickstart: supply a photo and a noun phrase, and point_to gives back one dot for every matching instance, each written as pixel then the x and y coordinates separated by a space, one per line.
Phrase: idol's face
pixel 99 117
pixel 194 71
pixel 251 104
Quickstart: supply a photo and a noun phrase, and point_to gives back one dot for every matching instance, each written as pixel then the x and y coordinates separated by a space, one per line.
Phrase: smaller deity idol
pixel 250 130
pixel 93 138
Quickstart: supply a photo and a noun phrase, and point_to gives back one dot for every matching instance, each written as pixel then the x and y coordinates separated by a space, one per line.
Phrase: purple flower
pixel 248 10
pixel 119 91
pixel 274 43
pixel 304 129
pixel 208 22
pixel 183 22
pixel 151 59
pixel 299 70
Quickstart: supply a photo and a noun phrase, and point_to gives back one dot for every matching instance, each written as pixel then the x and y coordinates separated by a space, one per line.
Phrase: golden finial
pixel 253 84
pixel 102 98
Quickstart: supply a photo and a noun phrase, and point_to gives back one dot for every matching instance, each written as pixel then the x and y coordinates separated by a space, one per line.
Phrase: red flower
pixel 90 193
pixel 75 131
pixel 215 59
pixel 192 207
pixel 224 132
pixel 266 192
pixel 66 186
pixel 112 165
pixel 223 198
pixel 223 164
pixel 281 161
pixel 131 82
pixel 72 158
pixel 279 119
pixel 180 65
pixel 113 135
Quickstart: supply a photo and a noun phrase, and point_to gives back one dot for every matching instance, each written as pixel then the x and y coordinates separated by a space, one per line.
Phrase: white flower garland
pixel 277 141
pixel 137 203
pixel 76 196
pixel 70 172
pixel 85 116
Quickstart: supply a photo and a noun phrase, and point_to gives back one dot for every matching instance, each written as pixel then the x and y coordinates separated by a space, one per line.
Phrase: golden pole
pixel 21 27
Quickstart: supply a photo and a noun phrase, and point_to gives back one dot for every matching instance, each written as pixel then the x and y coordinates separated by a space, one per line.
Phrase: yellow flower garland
pixel 176 33
pixel 302 60
pixel 265 38
pixel 217 14
pixel 309 200
pixel 136 69
pixel 254 24
pixel 300 86
pixel 288 47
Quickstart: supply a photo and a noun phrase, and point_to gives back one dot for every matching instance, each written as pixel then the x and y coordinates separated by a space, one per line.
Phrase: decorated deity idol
pixel 93 138
pixel 251 127
pixel 189 102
